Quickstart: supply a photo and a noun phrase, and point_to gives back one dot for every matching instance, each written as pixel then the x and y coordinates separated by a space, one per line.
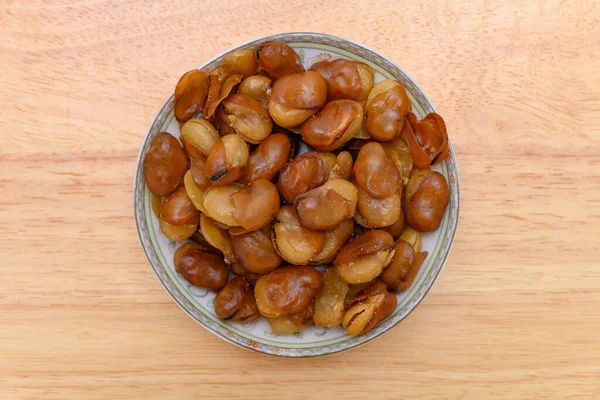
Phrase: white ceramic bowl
pixel 257 336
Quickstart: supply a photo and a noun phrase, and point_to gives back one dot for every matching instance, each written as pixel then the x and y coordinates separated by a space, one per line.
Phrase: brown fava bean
pixel 255 205
pixel 268 159
pixel 218 92
pixel 165 164
pixel 278 59
pixel 203 269
pixel 226 160
pixel 219 204
pixel 242 62
pixel 335 239
pixel 334 125
pixel 198 136
pixel 368 309
pixel 239 270
pixel 300 175
pixel 256 252
pixel 292 323
pixel 257 87
pixel 363 258
pixel 236 302
pixel 386 110
pixel 287 290
pixel 178 232
pixel 217 237
pixel 378 213
pixel 329 302
pixel 346 79
pixel 399 153
pixel 294 98
pixel 327 206
pixel 403 268
pixel 247 118
pixel 427 139
pixel 178 209
pixel 427 197
pixel 306 91
pixel 368 243
pixel 294 242
pixel 190 94
pixel 374 172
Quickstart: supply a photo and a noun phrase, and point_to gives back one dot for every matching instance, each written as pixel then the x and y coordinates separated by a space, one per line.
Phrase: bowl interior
pixel 198 303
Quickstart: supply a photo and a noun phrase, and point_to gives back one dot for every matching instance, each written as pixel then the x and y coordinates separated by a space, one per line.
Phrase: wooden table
pixel 516 312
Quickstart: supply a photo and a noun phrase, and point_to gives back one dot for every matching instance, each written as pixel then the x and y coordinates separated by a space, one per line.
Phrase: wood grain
pixel 515 314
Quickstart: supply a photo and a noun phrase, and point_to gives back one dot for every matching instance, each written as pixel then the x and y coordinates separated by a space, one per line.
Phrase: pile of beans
pixel 252 206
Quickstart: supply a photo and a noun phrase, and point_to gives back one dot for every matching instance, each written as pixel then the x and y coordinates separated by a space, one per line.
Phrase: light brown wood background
pixel 516 312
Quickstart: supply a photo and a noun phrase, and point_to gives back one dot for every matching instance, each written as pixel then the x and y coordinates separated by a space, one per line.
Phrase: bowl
pixel 257 336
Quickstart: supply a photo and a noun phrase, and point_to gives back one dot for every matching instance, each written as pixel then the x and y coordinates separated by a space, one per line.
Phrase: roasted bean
pixel 236 302
pixel 334 125
pixel 386 110
pixel 300 175
pixel 198 136
pixel 294 242
pixel 219 204
pixel 374 172
pixel 376 212
pixel 226 160
pixel 219 92
pixel 242 62
pixel 369 309
pixel 327 206
pixel 255 205
pixel 165 164
pixel 190 94
pixel 256 251
pixel 278 59
pixel 294 98
pixel 202 269
pixel 329 303
pixel 268 159
pixel 404 267
pixel 287 290
pixel 364 257
pixel 247 117
pixel 427 139
pixel 427 197
pixel 218 238
pixel 257 87
pixel 178 209
pixel 346 79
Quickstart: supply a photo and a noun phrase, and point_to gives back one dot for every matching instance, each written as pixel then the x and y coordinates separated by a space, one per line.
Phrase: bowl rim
pixel 451 233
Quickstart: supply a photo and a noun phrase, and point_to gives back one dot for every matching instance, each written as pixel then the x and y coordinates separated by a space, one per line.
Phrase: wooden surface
pixel 516 312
